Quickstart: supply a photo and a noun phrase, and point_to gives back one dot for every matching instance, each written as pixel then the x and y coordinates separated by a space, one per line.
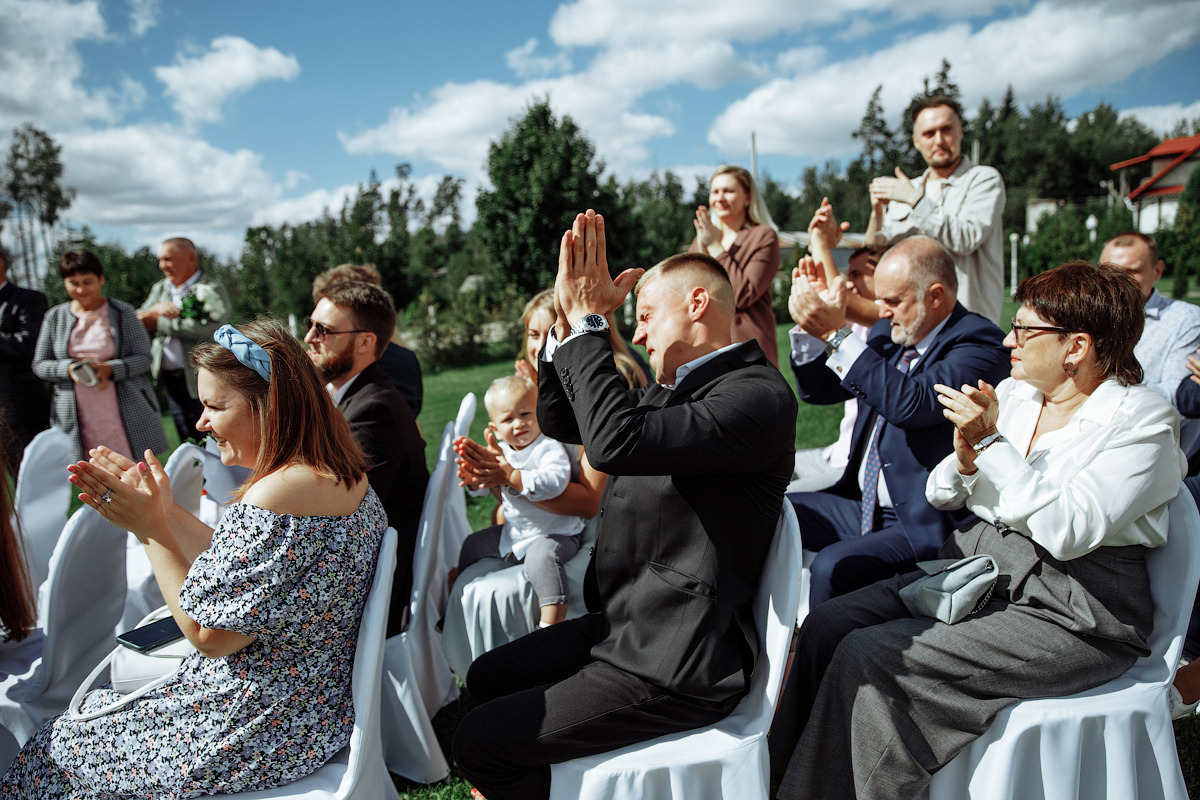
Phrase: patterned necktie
pixel 870 492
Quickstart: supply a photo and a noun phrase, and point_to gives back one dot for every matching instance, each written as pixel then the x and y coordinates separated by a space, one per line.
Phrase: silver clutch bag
pixel 952 589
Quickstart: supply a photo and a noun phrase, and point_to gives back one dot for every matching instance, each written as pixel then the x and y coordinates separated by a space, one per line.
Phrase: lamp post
pixel 1091 223
pixel 1012 252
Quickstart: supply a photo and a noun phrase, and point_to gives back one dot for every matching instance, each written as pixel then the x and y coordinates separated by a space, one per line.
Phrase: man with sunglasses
pixel 348 331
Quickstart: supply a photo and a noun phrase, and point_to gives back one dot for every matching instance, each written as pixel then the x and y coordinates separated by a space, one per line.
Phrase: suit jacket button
pixel 564 371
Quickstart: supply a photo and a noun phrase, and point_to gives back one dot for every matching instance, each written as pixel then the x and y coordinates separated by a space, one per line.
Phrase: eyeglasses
pixel 1022 337
pixel 320 331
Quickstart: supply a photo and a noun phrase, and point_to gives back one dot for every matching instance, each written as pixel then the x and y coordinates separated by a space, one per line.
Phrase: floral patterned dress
pixel 267 715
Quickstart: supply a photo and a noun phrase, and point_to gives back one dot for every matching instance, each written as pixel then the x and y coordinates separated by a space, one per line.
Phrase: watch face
pixel 594 322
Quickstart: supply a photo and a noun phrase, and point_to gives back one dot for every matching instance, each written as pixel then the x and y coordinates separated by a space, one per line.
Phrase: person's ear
pixel 936 295
pixel 367 342
pixel 698 303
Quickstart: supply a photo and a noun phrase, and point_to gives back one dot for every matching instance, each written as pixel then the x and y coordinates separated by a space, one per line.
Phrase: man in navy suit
pixel 875 522
pixel 24 404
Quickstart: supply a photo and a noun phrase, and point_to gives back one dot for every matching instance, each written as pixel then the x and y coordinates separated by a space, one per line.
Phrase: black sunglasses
pixel 322 331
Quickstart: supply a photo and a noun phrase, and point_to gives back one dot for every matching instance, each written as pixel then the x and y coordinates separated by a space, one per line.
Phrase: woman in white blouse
pixel 1069 465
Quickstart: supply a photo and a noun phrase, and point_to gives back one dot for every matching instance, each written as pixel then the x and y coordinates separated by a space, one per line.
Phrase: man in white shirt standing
pixel 956 202
pixel 184 308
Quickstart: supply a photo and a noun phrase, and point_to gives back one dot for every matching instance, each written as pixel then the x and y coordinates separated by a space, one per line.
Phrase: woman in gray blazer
pixel 96 354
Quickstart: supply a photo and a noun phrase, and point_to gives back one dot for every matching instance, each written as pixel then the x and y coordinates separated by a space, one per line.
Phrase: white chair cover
pixel 417 681
pixel 85 592
pixel 726 760
pixel 493 603
pixel 357 771
pixel 42 499
pixel 1114 741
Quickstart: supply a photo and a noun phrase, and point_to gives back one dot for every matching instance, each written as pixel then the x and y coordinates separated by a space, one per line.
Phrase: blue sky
pixel 201 119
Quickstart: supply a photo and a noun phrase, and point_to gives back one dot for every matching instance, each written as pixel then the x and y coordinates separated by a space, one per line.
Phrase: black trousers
pixel 175 382
pixel 543 699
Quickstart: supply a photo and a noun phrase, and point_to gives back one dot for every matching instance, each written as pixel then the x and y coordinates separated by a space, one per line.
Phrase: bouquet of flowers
pixel 194 305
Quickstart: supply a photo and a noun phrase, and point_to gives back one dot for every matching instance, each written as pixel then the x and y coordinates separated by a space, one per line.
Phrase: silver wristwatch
pixel 590 323
pixel 987 441
pixel 835 341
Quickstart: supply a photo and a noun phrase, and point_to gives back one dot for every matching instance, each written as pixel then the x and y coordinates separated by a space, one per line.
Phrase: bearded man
pixel 348 331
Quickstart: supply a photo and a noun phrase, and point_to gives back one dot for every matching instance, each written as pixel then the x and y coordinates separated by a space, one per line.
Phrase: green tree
pixel 1060 237
pixel 881 146
pixel 31 185
pixel 543 172
pixel 1185 255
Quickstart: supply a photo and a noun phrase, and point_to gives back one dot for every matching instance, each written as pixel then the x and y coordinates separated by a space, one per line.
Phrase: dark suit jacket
pixel 23 397
pixel 401 367
pixel 697 478
pixel 917 435
pixel 384 428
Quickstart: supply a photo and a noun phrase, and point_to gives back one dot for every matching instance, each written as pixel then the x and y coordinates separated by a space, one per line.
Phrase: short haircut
pixel 872 251
pixel 508 386
pixel 1131 238
pixel 75 262
pixel 757 211
pixel 180 243
pixel 935 101
pixel 370 306
pixel 928 263
pixel 699 269
pixel 1097 299
pixel 297 420
pixel 345 272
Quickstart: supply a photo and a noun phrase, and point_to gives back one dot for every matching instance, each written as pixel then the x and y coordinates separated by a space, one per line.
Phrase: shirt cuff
pixel 552 342
pixel 847 353
pixel 805 347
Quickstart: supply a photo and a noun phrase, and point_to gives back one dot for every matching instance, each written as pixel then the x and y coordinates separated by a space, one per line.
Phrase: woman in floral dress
pixel 271 599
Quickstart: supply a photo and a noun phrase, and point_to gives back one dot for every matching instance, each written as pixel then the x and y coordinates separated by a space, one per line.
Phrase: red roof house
pixel 1156 200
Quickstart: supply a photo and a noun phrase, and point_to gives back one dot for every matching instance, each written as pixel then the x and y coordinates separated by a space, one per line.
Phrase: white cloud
pixel 525 64
pixel 40 65
pixel 143 15
pixel 199 85
pixel 1162 119
pixel 149 176
pixel 1054 48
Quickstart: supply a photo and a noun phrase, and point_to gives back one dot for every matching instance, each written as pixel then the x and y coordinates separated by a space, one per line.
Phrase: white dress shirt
pixel 1102 480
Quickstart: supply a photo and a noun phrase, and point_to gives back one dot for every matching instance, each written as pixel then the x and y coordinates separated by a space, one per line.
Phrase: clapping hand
pixel 818 308
pixel 135 497
pixel 899 188
pixel 706 231
pixel 974 412
pixel 583 285
pixel 479 467
pixel 826 226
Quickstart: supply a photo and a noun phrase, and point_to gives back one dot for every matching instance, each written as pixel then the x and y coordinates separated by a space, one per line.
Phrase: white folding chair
pixel 185 469
pixel 417 682
pixel 1114 741
pixel 726 760
pixel 493 603
pixel 42 499
pixel 85 592
pixel 357 771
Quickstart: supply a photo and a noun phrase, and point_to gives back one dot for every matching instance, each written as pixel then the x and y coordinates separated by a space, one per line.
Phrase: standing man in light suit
pixel 184 308
pixel 956 202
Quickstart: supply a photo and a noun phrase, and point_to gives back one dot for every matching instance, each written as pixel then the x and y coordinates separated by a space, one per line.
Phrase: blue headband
pixel 248 353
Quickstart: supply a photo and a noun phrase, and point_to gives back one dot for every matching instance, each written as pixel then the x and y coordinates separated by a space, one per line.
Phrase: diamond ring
pixel 106 498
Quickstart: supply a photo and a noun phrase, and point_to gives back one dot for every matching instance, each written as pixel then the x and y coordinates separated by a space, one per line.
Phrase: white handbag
pixel 133 674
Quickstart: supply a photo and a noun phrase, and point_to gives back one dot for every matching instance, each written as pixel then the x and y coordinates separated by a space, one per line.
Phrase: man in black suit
pixel 398 363
pixel 698 465
pixel 23 400
pixel 875 521
pixel 349 328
